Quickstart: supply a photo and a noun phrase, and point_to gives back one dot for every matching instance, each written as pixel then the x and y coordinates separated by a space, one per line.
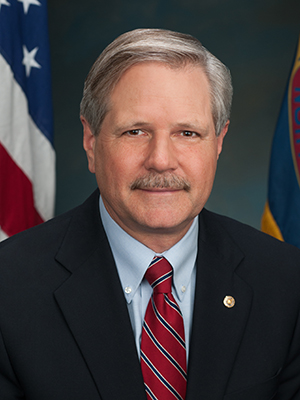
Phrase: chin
pixel 165 223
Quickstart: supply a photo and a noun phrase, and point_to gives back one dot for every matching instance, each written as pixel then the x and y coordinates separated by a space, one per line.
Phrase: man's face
pixel 156 154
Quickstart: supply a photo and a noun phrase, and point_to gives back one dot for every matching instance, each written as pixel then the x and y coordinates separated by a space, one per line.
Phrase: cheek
pixel 114 168
pixel 201 169
pixel 103 168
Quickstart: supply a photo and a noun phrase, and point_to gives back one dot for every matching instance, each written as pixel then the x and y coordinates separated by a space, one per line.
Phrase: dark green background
pixel 255 39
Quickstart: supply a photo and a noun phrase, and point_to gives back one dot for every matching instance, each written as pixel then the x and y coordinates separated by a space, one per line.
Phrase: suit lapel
pixel 217 330
pixel 95 310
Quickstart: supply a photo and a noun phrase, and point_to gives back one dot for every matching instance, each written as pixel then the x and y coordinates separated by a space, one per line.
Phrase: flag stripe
pixel 25 143
pixel 3 235
pixel 17 210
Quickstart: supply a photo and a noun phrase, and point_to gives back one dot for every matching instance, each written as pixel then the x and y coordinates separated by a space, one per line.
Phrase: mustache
pixel 161 181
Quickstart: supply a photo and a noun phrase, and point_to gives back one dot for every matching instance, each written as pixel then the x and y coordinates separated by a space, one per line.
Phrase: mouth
pixel 160 190
pixel 161 183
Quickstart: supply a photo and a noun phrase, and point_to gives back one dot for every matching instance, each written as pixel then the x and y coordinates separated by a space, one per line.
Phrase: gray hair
pixel 143 45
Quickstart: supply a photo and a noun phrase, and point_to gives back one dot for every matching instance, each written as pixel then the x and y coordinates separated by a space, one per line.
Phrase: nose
pixel 161 153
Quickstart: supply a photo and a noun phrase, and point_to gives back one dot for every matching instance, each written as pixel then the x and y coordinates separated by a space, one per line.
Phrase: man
pixel 74 292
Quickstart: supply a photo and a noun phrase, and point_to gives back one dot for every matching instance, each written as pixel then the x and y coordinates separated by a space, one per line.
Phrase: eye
pixel 134 132
pixel 189 134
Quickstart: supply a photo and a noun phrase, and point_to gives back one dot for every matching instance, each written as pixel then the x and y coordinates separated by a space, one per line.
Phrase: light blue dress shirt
pixel 132 259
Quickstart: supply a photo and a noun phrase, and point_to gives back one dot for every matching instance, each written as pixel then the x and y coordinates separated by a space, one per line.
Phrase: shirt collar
pixel 132 258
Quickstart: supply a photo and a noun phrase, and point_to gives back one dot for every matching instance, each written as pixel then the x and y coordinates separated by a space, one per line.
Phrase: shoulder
pixel 244 235
pixel 39 241
pixel 264 257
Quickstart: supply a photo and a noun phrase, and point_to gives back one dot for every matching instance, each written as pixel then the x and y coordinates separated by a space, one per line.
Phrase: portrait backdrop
pixel 255 39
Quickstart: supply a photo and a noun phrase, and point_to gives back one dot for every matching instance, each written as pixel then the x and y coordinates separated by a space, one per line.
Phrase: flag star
pixel 4 3
pixel 27 3
pixel 29 61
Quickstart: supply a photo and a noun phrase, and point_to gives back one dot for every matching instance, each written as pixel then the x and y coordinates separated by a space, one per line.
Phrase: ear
pixel 89 144
pixel 220 138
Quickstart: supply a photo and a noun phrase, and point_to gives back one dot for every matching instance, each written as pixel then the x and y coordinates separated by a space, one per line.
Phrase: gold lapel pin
pixel 229 301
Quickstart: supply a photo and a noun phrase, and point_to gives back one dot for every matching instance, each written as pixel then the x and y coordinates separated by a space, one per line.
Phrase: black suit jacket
pixel 66 333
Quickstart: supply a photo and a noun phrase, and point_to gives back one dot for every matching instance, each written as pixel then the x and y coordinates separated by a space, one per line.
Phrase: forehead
pixel 158 86
pixel 151 71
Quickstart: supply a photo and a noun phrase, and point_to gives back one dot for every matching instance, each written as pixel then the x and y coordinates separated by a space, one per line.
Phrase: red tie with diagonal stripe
pixel 163 353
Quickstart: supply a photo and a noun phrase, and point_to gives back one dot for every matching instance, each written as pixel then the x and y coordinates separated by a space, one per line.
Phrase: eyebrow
pixel 131 126
pixel 191 127
pixel 203 130
pixel 184 126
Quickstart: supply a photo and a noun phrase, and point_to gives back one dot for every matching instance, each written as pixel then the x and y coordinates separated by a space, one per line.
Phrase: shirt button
pixel 183 289
pixel 128 289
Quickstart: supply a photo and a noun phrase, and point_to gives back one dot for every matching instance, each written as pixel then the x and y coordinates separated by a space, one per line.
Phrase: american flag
pixel 27 157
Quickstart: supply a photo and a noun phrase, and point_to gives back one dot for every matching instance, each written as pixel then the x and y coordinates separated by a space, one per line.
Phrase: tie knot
pixel 159 275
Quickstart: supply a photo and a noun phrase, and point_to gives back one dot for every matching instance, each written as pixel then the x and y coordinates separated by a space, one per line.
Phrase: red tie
pixel 163 353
